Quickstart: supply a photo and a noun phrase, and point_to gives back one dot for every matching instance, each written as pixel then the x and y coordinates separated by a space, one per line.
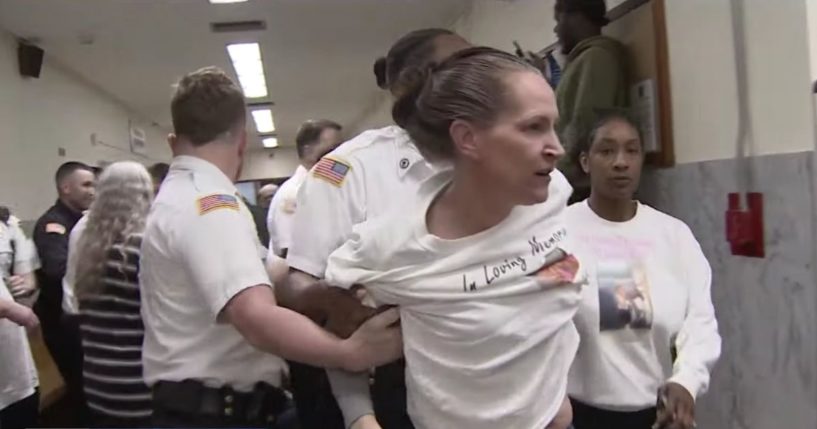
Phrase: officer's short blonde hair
pixel 206 105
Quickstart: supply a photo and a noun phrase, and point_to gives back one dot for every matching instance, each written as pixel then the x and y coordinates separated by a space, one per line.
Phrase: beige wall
pixel 703 78
pixel 38 116
pixel 811 13
pixel 258 164
pixel 498 23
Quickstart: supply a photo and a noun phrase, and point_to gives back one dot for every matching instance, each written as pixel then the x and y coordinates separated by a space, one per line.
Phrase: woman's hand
pixel 18 314
pixel 676 408
pixel 21 285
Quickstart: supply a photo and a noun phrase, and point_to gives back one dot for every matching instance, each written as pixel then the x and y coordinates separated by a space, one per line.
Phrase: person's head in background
pixel 265 194
pixel 419 48
pixel 5 215
pixel 577 20
pixel 125 192
pixel 316 138
pixel 612 154
pixel 75 185
pixel 209 117
pixel 158 172
pixel 492 115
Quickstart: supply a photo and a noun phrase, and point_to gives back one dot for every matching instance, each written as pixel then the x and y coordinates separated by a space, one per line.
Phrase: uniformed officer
pixel 16 258
pixel 315 138
pixel 75 187
pixel 360 180
pixel 212 326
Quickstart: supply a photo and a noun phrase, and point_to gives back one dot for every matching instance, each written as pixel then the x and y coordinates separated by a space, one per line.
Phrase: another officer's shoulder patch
pixel 331 170
pixel 55 228
pixel 214 202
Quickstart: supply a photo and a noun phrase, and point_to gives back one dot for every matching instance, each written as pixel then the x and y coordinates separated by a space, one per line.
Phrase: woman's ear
pixel 584 161
pixel 465 139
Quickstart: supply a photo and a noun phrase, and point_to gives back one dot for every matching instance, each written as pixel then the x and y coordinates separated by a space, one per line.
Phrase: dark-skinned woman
pixel 649 337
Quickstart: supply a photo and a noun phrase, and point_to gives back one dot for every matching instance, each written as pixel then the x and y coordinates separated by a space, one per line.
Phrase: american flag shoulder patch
pixel 213 202
pixel 331 170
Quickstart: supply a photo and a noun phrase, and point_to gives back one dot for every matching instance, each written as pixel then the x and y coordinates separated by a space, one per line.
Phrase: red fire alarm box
pixel 744 226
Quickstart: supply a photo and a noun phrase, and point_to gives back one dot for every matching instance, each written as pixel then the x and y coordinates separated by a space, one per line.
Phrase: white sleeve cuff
pixel 693 385
pixel 303 264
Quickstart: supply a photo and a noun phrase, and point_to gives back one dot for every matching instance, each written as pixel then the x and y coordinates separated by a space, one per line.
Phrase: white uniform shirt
pixel 16 251
pixel 18 375
pixel 281 210
pixel 487 319
pixel 384 170
pixel 649 291
pixel 200 248
pixel 70 305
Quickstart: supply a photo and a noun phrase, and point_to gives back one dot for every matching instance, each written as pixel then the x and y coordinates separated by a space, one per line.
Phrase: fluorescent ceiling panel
pixel 246 59
pixel 263 120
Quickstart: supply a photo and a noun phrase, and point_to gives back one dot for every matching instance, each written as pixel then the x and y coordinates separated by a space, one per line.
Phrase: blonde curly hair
pixel 123 198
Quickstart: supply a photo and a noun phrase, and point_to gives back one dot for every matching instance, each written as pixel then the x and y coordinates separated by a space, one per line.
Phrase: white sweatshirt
pixel 486 319
pixel 649 292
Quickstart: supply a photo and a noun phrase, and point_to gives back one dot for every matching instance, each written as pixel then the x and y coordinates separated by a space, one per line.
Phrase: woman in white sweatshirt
pixel 647 325
pixel 479 260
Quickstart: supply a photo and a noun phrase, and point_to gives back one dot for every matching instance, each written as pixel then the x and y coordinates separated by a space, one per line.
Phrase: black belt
pixel 190 397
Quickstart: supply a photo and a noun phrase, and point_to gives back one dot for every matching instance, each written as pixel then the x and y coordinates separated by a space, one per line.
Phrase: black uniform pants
pixel 22 414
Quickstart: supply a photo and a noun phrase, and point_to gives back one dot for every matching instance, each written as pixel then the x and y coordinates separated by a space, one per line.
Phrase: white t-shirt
pixel 17 252
pixel 18 375
pixel 374 172
pixel 70 305
pixel 487 319
pixel 649 291
pixel 200 249
pixel 282 209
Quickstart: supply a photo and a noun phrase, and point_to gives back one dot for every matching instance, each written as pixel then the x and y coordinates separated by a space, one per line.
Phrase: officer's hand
pixel 18 314
pixel 19 286
pixel 676 408
pixel 344 311
pixel 377 342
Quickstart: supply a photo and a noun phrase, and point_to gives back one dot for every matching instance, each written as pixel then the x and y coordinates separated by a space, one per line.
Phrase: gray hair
pixel 123 199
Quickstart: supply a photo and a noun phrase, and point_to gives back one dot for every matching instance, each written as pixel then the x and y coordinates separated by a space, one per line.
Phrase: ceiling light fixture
pixel 263 120
pixel 246 59
pixel 270 142
pixel 226 1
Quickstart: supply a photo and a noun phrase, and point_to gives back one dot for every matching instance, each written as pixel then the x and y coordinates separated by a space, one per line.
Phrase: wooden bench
pixel 52 387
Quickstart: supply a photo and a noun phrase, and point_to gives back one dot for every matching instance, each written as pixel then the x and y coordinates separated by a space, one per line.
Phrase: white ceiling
pixel 318 54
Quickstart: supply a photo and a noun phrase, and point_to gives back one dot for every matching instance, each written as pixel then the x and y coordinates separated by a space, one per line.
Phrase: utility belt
pixel 259 407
